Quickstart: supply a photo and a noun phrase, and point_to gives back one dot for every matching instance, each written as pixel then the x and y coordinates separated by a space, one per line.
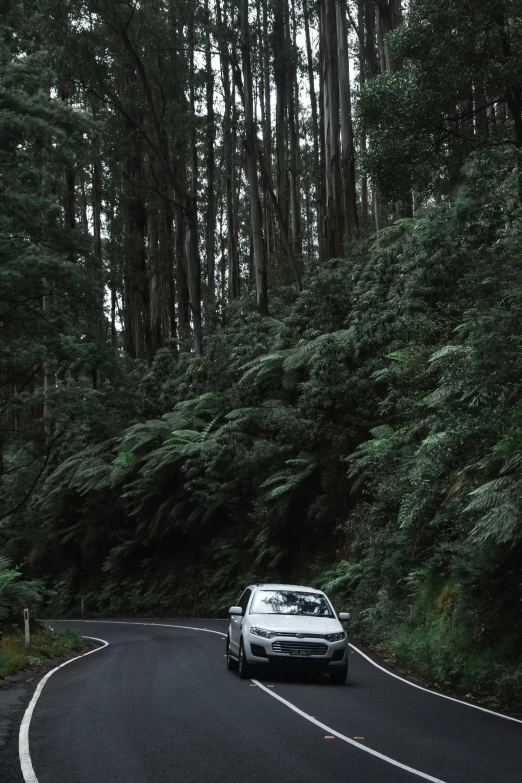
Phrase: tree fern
pixel 290 478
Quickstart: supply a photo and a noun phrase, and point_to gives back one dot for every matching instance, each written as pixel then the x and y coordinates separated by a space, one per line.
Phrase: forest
pixel 261 314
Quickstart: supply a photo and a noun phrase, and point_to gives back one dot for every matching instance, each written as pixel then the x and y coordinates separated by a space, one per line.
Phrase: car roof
pixel 300 588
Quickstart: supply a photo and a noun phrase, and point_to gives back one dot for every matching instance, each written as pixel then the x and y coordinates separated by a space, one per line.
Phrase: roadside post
pixel 26 623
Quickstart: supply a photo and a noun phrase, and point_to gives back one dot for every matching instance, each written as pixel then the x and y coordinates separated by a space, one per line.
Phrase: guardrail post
pixel 26 623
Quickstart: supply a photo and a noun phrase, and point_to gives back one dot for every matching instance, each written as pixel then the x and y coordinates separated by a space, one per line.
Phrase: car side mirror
pixel 235 610
pixel 344 616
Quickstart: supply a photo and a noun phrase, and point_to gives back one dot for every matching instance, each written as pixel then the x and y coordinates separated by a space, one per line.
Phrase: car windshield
pixel 291 602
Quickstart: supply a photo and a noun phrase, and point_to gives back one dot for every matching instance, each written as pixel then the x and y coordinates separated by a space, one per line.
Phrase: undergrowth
pixel 16 655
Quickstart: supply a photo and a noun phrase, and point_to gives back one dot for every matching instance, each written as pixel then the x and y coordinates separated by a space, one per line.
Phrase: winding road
pixel 156 705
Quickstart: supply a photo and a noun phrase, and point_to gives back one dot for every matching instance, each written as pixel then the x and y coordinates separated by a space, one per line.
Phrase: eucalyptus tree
pixel 132 59
pixel 49 294
pixel 458 90
pixel 251 150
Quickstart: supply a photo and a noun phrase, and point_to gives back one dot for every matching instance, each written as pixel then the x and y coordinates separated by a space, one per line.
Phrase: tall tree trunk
pixel 136 288
pixel 351 217
pixel 322 132
pixel 194 280
pixel 276 212
pixel 388 17
pixel 480 111
pixel 293 127
pixel 267 181
pixel 280 64
pixel 370 66
pixel 49 380
pixel 114 228
pixel 191 209
pixel 182 292
pixel 334 199
pixel 270 230
pixel 316 132
pixel 97 271
pixel 255 206
pixel 363 70
pixel 156 280
pixel 229 155
pixel 166 249
pixel 211 185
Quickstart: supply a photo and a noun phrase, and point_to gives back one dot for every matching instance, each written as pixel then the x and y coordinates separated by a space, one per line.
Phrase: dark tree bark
pixel 363 70
pixel 229 157
pixel 293 132
pixel 316 133
pixel 97 260
pixel 191 236
pixel 136 284
pixel 167 263
pixel 351 217
pixel 151 132
pixel 266 107
pixel 250 137
pixel 280 66
pixel 182 292
pixel 389 16
pixel 330 76
pixel 211 165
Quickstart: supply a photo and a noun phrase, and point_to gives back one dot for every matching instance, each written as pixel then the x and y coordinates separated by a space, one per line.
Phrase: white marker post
pixel 26 623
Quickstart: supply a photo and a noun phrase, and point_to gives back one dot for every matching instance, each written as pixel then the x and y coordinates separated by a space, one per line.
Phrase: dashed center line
pixel 350 741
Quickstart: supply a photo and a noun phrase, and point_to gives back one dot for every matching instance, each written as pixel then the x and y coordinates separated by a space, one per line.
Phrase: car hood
pixel 295 623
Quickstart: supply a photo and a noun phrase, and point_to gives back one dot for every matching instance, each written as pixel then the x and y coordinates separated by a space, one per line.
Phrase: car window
pixel 245 598
pixel 291 602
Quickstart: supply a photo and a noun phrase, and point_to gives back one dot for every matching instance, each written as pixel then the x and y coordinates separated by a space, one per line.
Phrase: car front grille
pixel 314 648
pixel 308 635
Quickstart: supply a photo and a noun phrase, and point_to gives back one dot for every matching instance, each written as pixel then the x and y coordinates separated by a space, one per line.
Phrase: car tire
pixel 338 676
pixel 244 668
pixel 232 664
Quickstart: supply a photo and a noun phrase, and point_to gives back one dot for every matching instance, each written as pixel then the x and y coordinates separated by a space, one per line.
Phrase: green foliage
pixel 17 594
pixel 424 120
pixel 366 438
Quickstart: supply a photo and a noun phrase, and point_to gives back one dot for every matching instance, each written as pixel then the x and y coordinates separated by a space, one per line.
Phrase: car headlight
pixel 335 637
pixel 262 632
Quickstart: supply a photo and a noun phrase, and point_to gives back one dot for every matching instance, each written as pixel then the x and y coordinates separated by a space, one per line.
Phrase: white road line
pixel 391 674
pixel 23 737
pixel 305 715
pixel 433 693
pixel 160 625
pixel 358 745
pixel 25 759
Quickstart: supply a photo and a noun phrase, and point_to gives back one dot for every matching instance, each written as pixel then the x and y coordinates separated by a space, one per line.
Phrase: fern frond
pixel 262 365
pixel 382 432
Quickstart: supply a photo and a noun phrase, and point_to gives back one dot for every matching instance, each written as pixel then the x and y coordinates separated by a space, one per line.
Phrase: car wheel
pixel 245 670
pixel 338 676
pixel 231 662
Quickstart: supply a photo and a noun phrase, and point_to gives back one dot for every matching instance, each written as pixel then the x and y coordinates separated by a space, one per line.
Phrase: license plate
pixel 299 652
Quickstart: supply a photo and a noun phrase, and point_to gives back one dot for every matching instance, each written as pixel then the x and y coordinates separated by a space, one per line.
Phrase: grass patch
pixel 438 642
pixel 454 658
pixel 16 655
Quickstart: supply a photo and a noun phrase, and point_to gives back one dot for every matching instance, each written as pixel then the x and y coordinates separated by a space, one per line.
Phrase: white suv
pixel 287 624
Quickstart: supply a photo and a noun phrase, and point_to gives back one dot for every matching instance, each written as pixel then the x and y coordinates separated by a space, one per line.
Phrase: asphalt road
pixel 158 706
